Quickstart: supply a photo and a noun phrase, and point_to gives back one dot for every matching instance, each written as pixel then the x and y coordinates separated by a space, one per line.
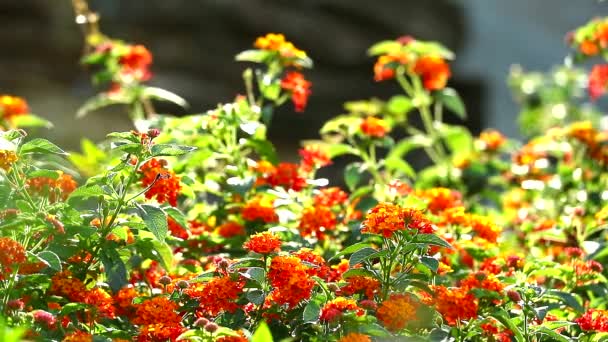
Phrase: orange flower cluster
pixel 276 42
pixel 66 285
pixel 320 268
pixel 594 140
pixel 593 320
pixel 136 62
pixel 361 284
pixel 315 221
pixel 492 331
pixel 123 301
pixel 313 157
pixel 386 218
pixel 455 304
pixel 397 311
pixel 440 199
pixel 355 337
pixel 259 209
pixel 335 308
pixel 101 302
pixel 491 140
pixel 290 280
pixel 164 184
pixel 299 88
pixel 374 127
pixel 78 336
pixel 230 229
pixel 7 159
pixel 59 188
pixel 12 253
pixel 593 39
pixel 12 106
pixel 219 295
pixel 240 338
pixel 329 197
pixel 263 243
pixel 385 66
pixel 433 70
pixel 158 319
pixel 176 229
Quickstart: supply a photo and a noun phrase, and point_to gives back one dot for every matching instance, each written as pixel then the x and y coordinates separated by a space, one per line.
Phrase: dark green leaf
pixel 431 263
pixel 503 317
pixel 431 239
pixel 351 249
pixel 50 259
pixel 256 274
pixel 361 255
pixel 311 313
pixel 352 175
pixel 116 271
pixel 567 298
pixel 256 296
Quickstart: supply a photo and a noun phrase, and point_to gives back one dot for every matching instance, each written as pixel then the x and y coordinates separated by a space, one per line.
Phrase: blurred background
pixel 194 41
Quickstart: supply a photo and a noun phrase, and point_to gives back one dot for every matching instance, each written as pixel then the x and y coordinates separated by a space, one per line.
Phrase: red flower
pixel 11 253
pixel 299 88
pixel 291 282
pixel 594 320
pixel 313 156
pixel 336 307
pixel 11 106
pixel 259 209
pixel 385 66
pixel 136 62
pixel 434 72
pixel 598 80
pixel 374 127
pixel 166 184
pixel 286 175
pixel 328 197
pixel 315 221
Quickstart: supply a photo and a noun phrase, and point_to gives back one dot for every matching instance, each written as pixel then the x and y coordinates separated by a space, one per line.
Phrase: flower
pixel 328 197
pixel 240 338
pixel 7 159
pixel 361 284
pixel 259 209
pixel 219 295
pixel 299 88
pixel 386 218
pixel 355 337
pixel 136 62
pixel 12 106
pixel 230 229
pixel 598 80
pixel 263 243
pixel 455 304
pixel 176 229
pixel 55 188
pixel 336 307
pixel 66 285
pixel 313 156
pixel 385 66
pixel 276 42
pixel 313 258
pixel 163 183
pixel 290 280
pixel 123 301
pixel 157 310
pixel 491 140
pixel 482 280
pixel 286 175
pixel 11 253
pixel 101 301
pixel 397 311
pixel 315 221
pixel 433 70
pixel 44 317
pixel 593 320
pixel 374 127
pixel 440 199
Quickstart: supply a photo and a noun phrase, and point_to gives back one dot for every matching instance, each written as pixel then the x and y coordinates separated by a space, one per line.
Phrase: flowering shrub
pixel 190 228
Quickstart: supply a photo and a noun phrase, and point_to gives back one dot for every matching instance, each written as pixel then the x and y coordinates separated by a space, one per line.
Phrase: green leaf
pixel 43 173
pixel 431 239
pixel 115 269
pixel 50 259
pixel 177 216
pixel 240 185
pixel 361 255
pixel 399 105
pixel 431 263
pixel 400 165
pixel 85 192
pixel 351 249
pixel 352 175
pixel 164 95
pixel 39 145
pixel 155 219
pixel 256 296
pixel 458 138
pixel 503 317
pixel 335 150
pixel 255 56
pixel 30 120
pixel 554 336
pixel 311 313
pixel 358 272
pixel 262 334
pixel 566 298
pixel 71 308
pixel 170 150
pixel 256 274
pixel 265 149
pixel 450 98
pixel 100 101
pixel 5 194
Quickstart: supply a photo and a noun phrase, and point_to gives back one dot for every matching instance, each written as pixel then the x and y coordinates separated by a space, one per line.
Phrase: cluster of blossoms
pixel 386 219
pixel 11 107
pixel 160 182
pixel 414 57
pixel 588 41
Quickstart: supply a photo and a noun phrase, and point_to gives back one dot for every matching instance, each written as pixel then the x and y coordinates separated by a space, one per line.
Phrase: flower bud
pixel 182 284
pixel 164 280
pixel 211 327
pixel 514 296
pixel 153 133
pixel 201 322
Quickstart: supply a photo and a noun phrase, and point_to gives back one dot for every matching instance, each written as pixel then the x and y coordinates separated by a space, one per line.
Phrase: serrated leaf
pixel 256 296
pixel 84 192
pixel 451 100
pixel 256 274
pixel 170 150
pixel 115 269
pixel 431 263
pixel 351 249
pixel 40 145
pixel 155 220
pixel 431 239
pixel 358 272
pixel 503 317
pixel 352 175
pixel 361 255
